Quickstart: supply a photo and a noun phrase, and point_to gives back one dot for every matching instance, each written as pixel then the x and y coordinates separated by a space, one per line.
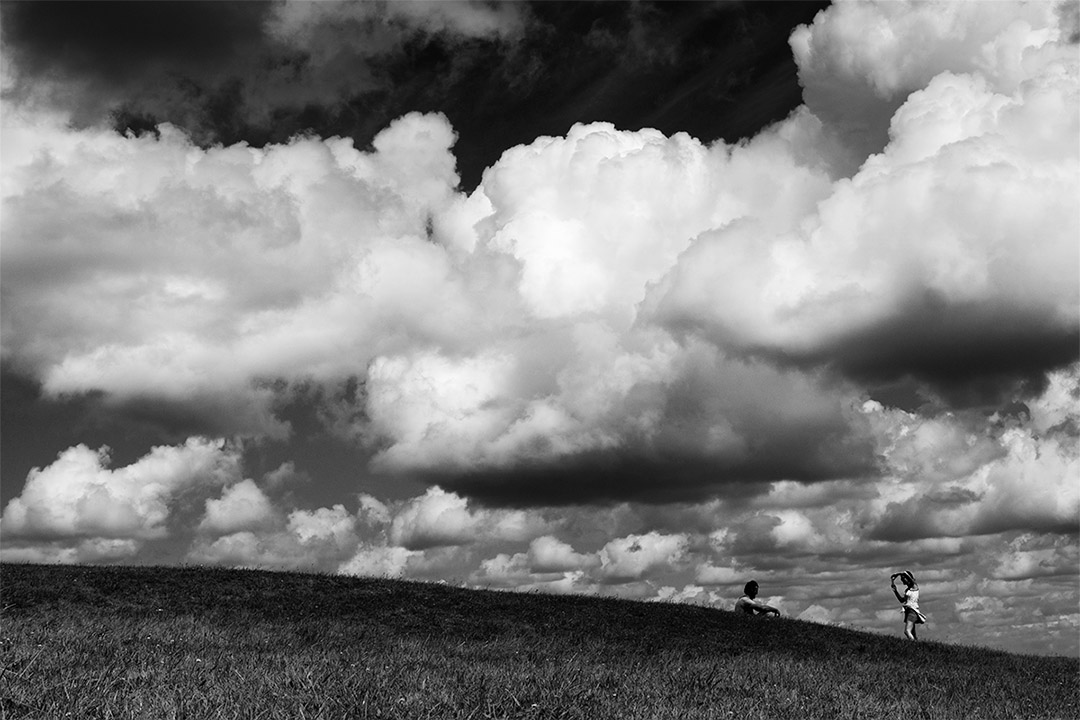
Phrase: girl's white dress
pixel 911 602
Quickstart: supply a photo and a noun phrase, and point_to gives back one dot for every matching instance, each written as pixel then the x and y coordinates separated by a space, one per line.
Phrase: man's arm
pixel 761 608
pixel 769 609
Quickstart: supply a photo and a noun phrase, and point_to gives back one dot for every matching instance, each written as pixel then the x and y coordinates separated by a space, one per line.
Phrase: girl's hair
pixel 910 576
pixel 748 586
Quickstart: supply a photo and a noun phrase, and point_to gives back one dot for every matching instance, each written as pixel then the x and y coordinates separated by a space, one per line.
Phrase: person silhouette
pixel 910 601
pixel 750 605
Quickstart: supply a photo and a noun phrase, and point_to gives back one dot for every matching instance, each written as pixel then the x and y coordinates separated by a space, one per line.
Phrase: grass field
pixel 156 643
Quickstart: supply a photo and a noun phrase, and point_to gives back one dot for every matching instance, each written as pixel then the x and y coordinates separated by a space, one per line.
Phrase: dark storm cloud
pixel 967 354
pixel 603 477
pixel 167 61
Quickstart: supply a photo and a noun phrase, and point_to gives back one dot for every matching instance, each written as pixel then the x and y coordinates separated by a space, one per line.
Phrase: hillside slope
pixel 195 642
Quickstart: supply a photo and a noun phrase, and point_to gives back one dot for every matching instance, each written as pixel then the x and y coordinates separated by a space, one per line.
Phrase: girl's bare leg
pixel 909 630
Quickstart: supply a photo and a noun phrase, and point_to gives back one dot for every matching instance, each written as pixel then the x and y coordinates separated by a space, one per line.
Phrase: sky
pixel 632 299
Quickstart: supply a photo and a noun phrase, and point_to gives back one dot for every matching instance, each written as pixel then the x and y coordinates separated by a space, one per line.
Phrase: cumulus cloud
pixel 1030 556
pixel 689 595
pixel 378 561
pixel 242 506
pixel 816 613
pixel 636 556
pixel 1015 478
pixel 320 539
pixel 79 496
pixel 611 314
pixel 292 245
pixel 921 264
pixel 549 554
pixel 858 62
pixel 440 518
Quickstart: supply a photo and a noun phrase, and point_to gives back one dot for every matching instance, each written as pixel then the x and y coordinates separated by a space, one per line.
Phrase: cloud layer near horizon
pixel 850 338
pixel 988 521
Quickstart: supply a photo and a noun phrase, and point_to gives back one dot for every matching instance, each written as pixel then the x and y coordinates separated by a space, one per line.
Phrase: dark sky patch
pixel 35 429
pixel 606 477
pixel 971 355
pixel 712 69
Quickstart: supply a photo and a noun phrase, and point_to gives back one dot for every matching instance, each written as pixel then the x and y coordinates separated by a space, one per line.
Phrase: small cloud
pixel 439 518
pixel 242 506
pixel 549 554
pixel 636 556
pixel 817 614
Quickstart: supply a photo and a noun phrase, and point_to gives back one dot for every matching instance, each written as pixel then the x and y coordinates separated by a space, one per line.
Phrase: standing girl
pixel 910 601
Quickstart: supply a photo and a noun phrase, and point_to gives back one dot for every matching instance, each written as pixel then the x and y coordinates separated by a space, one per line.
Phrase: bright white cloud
pixel 80 496
pixel 636 556
pixel 794 530
pixel 440 518
pixel 321 539
pixel 242 506
pixel 549 554
pixel 378 561
pixel 333 526
pixel 298 259
pixel 859 61
pixel 689 595
pixel 816 613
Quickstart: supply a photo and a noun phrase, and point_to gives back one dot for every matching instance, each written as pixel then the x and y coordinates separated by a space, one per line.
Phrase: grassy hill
pixel 158 643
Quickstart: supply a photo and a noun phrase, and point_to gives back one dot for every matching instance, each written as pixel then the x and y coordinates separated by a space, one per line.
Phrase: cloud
pixel 709 574
pixel 637 556
pixel 516 572
pixel 242 506
pixel 378 561
pixel 549 554
pixel 1030 556
pixel 611 314
pixel 331 526
pixel 921 264
pixel 439 518
pixel 858 62
pixel 79 496
pixel 260 66
pixel 1018 478
pixel 91 551
pixel 689 595
pixel 818 614
pixel 135 296
pixel 700 421
pixel 320 27
pixel 321 539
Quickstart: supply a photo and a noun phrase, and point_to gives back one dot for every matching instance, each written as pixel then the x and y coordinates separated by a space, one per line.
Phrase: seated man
pixel 749 605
